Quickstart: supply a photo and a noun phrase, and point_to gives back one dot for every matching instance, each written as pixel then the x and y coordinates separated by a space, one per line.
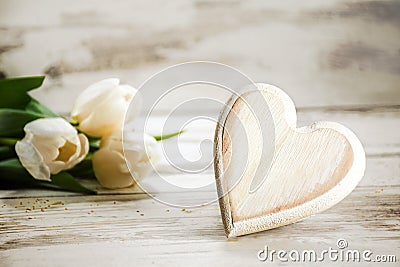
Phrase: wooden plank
pixel 112 229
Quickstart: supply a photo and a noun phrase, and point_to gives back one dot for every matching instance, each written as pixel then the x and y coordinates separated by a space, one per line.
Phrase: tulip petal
pixel 66 151
pixel 84 147
pixel 101 108
pixel 79 153
pixel 91 97
pixel 32 160
pixel 106 166
pixel 104 120
pixel 57 166
pixel 50 145
pixel 50 127
pixel 140 168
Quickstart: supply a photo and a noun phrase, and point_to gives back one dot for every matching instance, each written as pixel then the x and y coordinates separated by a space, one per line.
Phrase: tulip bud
pixel 110 167
pixel 50 146
pixel 100 109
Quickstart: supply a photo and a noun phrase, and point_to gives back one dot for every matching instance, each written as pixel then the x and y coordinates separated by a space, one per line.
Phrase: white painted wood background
pixel 338 60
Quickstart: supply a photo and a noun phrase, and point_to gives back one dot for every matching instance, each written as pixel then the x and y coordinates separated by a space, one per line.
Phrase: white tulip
pixel 100 109
pixel 50 145
pixel 110 167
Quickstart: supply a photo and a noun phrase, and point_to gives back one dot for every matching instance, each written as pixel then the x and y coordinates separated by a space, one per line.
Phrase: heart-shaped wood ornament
pixel 269 173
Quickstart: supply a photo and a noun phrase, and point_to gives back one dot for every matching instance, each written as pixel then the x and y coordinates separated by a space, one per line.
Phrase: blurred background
pixel 323 53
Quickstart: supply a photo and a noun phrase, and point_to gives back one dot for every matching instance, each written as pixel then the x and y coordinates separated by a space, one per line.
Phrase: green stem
pixel 167 136
pixel 73 123
pixel 8 141
pixel 88 157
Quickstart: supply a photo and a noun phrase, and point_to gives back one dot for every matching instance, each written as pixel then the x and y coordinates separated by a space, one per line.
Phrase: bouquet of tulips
pixel 39 148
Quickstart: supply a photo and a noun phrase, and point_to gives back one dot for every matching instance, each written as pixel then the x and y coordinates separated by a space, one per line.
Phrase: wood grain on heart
pixel 269 173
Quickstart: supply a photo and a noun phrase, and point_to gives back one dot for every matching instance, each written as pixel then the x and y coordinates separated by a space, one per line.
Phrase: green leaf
pixel 13 174
pixel 84 169
pixel 66 181
pixel 7 152
pixel 36 107
pixel 94 142
pixel 4 141
pixel 167 136
pixel 12 121
pixel 14 91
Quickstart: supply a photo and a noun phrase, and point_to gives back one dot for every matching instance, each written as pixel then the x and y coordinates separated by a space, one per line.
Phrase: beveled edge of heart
pixel 291 215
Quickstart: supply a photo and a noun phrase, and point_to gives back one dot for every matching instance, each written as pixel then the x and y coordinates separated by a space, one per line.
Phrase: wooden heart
pixel 264 183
